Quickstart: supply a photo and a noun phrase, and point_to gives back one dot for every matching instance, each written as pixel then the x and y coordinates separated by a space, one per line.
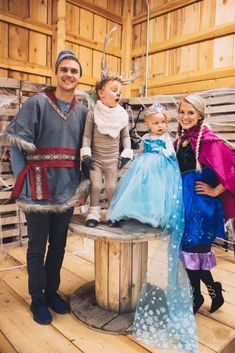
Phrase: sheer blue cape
pixel 151 192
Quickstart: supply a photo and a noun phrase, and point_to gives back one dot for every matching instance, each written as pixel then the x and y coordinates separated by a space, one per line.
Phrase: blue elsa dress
pixel 151 192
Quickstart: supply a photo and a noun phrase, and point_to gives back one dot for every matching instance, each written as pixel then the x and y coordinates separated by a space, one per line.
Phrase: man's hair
pixel 66 54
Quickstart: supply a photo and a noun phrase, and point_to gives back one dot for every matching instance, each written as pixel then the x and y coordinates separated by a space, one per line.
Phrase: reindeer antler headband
pixel 104 69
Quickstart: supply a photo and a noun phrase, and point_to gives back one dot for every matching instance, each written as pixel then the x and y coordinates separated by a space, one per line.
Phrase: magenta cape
pixel 217 156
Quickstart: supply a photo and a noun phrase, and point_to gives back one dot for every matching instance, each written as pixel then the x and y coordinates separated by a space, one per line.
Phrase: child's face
pixel 188 115
pixel 110 94
pixel 157 124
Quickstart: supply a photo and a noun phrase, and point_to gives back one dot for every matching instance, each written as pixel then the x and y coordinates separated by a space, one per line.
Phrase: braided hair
pixel 199 104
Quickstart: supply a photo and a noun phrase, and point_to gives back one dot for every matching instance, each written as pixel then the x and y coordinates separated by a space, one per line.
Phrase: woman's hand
pixel 205 189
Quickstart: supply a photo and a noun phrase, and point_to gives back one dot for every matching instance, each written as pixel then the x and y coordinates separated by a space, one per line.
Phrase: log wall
pixel 32 32
pixel 192 44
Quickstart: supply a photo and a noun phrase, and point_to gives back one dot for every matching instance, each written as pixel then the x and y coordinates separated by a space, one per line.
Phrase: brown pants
pixel 108 169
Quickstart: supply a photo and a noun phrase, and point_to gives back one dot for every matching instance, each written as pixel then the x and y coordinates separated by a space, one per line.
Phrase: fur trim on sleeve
pixel 127 153
pixel 85 151
pixel 21 144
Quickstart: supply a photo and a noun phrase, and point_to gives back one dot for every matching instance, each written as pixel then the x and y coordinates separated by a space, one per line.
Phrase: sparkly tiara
pixel 154 109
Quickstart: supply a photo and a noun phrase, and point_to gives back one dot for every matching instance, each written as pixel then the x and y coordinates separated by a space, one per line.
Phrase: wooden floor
pixel 20 334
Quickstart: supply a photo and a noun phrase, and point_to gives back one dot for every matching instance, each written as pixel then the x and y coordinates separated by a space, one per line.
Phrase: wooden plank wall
pixel 192 44
pixel 32 32
pixel 25 40
pixel 86 27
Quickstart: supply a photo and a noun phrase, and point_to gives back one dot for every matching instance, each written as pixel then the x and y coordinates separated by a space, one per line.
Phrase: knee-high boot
pixel 198 300
pixel 214 289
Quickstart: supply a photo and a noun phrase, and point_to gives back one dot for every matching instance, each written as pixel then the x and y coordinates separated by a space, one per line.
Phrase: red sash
pixel 36 166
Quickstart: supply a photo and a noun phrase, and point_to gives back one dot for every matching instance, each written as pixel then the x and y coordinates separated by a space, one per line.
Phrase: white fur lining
pixel 93 213
pixel 21 144
pixel 83 189
pixel 127 153
pixel 85 151
pixel 110 121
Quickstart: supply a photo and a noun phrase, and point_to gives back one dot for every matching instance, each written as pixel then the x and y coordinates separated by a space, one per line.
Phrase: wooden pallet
pixel 13 93
pixel 12 220
pixel 220 111
pixel 9 101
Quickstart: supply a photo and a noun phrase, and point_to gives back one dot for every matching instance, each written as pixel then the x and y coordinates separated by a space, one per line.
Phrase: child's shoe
pixel 114 224
pixel 92 223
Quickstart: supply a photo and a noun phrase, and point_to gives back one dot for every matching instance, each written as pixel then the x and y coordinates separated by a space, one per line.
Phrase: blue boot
pixel 58 305
pixel 41 314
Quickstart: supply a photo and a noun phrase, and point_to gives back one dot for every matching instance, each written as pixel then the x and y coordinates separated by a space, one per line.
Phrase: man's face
pixel 68 75
pixel 110 94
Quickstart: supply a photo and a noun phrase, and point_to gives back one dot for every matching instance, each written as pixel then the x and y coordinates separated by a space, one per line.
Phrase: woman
pixel 207 165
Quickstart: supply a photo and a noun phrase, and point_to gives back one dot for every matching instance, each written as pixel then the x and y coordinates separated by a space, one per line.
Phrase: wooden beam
pixel 37 70
pixel 210 79
pixel 25 23
pixel 190 77
pixel 163 9
pixel 92 44
pixel 98 10
pixel 59 29
pixel 200 36
pixel 188 87
pixel 16 65
pixel 127 43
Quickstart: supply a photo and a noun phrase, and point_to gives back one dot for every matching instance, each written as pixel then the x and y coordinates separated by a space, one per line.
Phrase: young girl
pixel 145 191
pixel 208 174
pixel 106 127
pixel 151 192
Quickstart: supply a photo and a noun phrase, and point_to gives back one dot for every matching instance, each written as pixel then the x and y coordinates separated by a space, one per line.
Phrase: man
pixel 45 138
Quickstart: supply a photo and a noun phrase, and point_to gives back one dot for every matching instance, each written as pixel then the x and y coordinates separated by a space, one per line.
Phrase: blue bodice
pixel 153 146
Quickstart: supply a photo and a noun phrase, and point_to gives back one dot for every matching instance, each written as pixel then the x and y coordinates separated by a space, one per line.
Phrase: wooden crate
pixel 13 93
pixel 12 219
pixel 220 111
pixel 9 101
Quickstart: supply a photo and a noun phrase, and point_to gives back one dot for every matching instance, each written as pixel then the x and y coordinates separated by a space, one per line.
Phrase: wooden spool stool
pixel 121 256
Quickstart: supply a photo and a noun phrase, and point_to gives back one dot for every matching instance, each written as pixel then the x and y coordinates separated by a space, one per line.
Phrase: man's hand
pixel 81 201
pixel 122 162
pixel 88 160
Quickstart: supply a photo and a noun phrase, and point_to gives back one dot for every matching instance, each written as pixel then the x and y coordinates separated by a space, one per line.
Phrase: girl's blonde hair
pixel 156 108
pixel 199 104
pixel 148 117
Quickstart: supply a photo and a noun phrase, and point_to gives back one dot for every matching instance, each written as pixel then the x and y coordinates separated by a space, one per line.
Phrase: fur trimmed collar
pixel 110 121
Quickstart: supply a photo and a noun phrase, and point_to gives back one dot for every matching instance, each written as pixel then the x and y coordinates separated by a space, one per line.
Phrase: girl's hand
pixel 205 189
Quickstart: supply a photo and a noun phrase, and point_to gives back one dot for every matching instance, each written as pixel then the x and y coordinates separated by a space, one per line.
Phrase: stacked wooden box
pixel 13 93
pixel 220 111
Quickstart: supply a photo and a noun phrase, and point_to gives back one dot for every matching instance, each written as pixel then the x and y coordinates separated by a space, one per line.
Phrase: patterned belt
pixel 36 166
